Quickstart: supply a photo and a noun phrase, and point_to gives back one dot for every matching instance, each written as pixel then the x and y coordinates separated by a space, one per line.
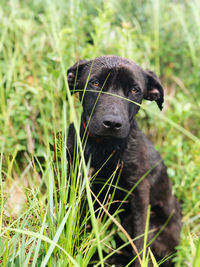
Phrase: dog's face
pixel 111 89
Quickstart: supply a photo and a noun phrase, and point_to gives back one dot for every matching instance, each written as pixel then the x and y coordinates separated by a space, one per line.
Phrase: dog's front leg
pixel 139 206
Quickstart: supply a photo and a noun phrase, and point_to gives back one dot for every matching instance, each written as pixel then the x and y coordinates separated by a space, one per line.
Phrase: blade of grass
pixel 27 259
pixel 50 192
pixel 156 24
pixel 196 262
pixel 35 257
pixel 45 239
pixel 2 195
pixel 146 233
pixel 155 264
pixel 55 239
pixel 180 16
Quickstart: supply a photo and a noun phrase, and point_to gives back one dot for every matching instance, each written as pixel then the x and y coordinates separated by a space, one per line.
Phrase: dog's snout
pixel 112 122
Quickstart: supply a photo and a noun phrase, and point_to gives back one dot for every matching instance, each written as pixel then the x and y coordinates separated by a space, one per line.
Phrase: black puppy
pixel 111 90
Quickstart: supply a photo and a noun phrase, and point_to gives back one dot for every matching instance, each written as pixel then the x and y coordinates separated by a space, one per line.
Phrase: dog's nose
pixel 112 122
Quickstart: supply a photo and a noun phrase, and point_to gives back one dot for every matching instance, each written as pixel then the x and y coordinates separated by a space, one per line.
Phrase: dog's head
pixel 111 89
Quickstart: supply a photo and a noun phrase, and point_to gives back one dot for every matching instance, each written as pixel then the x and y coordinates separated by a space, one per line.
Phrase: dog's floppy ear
pixel 74 73
pixel 154 89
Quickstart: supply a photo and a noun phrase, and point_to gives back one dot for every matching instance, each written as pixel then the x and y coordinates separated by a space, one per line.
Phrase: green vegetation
pixel 40 206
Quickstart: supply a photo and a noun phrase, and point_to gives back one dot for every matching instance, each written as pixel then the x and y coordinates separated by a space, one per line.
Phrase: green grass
pixel 41 205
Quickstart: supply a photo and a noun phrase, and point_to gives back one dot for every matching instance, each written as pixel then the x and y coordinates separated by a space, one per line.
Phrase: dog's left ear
pixel 154 89
pixel 74 73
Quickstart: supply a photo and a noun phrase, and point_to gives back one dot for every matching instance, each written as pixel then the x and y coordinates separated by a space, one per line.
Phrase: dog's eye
pixel 133 90
pixel 95 83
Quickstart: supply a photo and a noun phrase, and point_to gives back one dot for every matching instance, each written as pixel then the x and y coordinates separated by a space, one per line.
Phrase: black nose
pixel 112 122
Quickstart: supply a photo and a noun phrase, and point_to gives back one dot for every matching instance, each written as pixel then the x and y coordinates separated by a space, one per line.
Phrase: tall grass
pixel 41 218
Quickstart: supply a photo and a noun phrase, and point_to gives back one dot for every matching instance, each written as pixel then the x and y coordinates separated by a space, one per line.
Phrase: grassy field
pixel 40 206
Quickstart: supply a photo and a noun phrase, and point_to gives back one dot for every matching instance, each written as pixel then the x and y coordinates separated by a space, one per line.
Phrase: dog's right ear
pixel 74 73
pixel 154 89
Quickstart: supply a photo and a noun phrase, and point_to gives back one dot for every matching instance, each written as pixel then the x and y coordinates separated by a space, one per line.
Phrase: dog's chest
pixel 105 158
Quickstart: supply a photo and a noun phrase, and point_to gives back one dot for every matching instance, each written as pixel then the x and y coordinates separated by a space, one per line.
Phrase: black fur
pixel 104 85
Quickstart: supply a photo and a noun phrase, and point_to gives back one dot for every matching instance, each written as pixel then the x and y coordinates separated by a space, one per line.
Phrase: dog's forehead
pixel 114 62
pixel 118 66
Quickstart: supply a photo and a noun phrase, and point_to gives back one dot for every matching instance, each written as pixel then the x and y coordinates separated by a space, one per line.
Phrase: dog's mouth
pixel 107 138
pixel 109 143
pixel 111 136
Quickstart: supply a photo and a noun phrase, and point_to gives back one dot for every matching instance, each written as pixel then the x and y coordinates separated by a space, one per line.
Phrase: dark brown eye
pixel 95 83
pixel 133 90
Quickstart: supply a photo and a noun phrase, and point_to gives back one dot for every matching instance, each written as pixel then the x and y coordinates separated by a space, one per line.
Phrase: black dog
pixel 111 90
